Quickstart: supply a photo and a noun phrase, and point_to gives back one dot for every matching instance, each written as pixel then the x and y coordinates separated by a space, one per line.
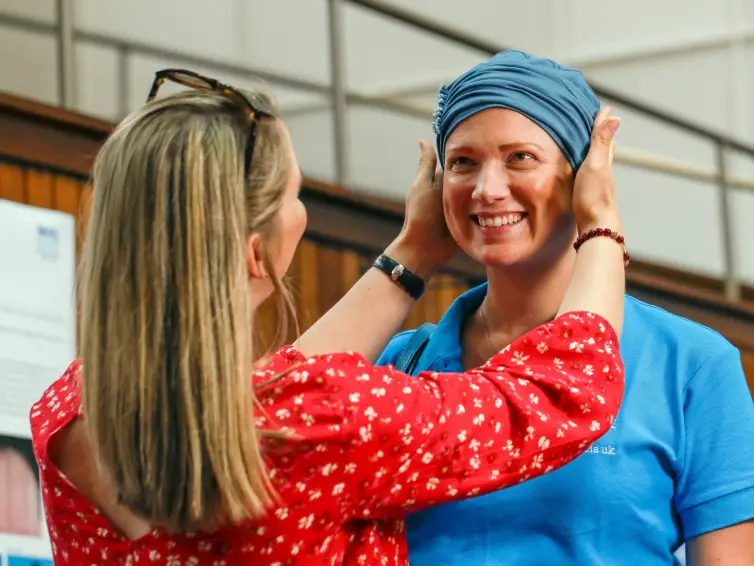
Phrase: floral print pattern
pixel 373 444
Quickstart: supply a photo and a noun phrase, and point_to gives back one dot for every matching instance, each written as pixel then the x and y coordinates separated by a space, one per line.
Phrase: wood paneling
pixel 747 359
pixel 12 183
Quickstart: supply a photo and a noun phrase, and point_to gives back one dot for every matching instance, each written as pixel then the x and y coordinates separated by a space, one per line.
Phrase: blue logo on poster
pixel 47 242
pixel 26 561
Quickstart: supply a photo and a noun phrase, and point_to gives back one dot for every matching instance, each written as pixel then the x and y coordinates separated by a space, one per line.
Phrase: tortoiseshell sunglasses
pixel 198 81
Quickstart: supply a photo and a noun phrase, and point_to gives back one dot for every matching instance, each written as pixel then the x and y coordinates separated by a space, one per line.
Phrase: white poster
pixel 37 342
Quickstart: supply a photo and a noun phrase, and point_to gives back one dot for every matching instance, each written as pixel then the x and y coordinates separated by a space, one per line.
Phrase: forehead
pixel 498 126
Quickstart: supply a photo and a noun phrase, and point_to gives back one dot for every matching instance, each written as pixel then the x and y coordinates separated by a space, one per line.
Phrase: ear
pixel 254 255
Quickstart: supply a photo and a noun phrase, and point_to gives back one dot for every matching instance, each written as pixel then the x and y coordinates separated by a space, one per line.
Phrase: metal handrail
pixel 468 40
pixel 340 97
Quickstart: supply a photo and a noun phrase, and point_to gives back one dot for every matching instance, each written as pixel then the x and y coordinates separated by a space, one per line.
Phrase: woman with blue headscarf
pixel 678 464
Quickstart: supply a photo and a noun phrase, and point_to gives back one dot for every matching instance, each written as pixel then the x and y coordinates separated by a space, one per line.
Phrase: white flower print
pixel 306 522
pixel 457 427
pixel 520 358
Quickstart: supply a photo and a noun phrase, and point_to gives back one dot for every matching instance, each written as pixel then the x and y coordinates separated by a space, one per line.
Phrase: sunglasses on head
pixel 198 81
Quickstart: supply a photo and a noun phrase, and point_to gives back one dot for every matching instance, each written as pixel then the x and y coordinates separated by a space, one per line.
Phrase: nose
pixel 492 185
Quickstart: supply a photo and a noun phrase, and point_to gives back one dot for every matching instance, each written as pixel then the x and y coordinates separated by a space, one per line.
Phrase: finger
pixel 603 136
pixel 438 177
pixel 602 115
pixel 427 162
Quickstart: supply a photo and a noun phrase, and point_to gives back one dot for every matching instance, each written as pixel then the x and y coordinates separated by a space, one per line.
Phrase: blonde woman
pixel 161 448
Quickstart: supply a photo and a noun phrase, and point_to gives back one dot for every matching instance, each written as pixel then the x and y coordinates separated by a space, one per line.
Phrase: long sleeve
pixel 380 443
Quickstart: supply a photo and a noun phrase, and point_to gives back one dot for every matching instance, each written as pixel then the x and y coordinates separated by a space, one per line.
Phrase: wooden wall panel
pixel 12 183
pixel 329 280
pixel 747 359
pixel 40 189
pixel 67 194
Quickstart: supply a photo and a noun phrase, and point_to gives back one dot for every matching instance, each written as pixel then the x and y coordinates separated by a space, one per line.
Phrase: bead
pixel 589 234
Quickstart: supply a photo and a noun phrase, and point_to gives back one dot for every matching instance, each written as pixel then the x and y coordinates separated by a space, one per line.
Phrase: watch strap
pixel 399 273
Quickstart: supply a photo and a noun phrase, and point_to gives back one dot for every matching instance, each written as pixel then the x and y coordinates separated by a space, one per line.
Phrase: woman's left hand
pixel 425 237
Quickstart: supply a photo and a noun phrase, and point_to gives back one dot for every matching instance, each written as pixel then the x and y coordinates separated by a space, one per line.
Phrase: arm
pixel 731 546
pixel 396 443
pixel 715 482
pixel 374 298
pixel 423 245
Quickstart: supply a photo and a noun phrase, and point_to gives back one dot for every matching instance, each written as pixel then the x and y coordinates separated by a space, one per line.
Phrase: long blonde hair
pixel 166 327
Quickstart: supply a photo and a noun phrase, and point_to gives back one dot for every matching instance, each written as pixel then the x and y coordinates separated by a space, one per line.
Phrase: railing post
pixel 65 59
pixel 339 93
pixel 732 287
pixel 122 81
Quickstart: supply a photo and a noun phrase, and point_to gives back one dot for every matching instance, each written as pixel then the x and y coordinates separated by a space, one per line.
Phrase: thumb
pixel 427 162
pixel 603 140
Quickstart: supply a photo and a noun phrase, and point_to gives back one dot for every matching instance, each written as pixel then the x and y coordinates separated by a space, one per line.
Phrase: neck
pixel 521 299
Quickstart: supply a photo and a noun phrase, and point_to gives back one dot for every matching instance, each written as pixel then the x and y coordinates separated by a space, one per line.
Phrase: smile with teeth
pixel 500 220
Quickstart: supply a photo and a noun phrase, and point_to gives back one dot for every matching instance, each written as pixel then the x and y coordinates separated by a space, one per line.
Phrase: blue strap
pixel 412 351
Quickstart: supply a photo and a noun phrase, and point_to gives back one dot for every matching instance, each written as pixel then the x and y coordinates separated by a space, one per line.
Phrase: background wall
pixel 692 58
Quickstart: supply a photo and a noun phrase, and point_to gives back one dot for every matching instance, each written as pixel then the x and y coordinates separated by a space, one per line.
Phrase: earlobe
pixel 254 258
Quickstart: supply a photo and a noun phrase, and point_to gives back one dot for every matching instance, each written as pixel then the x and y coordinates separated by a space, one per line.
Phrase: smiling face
pixel 507 191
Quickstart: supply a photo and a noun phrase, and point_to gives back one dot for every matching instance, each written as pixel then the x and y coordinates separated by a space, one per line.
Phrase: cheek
pixel 456 200
pixel 553 203
pixel 293 227
pixel 300 220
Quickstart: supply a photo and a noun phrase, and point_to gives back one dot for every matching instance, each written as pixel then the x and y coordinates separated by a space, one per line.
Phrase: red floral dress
pixel 377 444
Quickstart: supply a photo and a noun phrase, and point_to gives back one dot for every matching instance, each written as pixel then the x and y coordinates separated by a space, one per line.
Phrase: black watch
pixel 411 283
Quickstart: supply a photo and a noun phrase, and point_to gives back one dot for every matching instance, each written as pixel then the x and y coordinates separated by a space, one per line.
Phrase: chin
pixel 502 256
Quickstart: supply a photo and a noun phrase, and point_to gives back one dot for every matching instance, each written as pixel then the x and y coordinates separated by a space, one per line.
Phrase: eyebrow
pixel 502 147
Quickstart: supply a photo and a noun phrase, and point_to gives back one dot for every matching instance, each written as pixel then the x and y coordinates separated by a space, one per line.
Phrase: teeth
pixel 498 221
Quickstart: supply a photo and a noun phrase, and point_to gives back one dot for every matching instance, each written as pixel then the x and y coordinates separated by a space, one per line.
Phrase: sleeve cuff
pixel 719 513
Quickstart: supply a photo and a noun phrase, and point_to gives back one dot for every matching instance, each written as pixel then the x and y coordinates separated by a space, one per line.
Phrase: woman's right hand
pixel 424 243
pixel 595 204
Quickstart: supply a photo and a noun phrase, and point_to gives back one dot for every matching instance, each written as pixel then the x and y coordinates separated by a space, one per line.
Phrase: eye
pixel 520 156
pixel 460 162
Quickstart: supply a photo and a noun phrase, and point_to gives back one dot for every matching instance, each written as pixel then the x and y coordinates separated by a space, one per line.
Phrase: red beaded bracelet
pixel 594 232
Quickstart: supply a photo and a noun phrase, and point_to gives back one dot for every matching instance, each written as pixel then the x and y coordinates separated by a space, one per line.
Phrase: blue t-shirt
pixel 679 461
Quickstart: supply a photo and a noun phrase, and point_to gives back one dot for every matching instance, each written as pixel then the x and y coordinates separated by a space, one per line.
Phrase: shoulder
pixel 651 327
pixel 58 406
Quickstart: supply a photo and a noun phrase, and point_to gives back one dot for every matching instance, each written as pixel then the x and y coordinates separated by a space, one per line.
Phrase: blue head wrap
pixel 555 97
